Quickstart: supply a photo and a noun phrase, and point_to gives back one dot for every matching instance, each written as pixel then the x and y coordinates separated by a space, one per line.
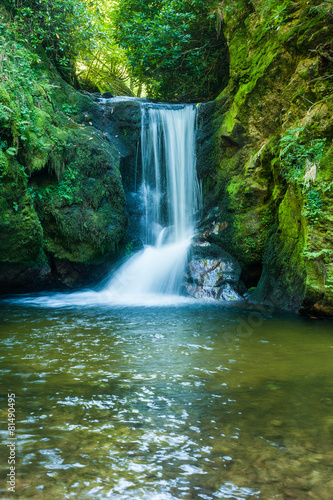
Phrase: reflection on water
pixel 167 403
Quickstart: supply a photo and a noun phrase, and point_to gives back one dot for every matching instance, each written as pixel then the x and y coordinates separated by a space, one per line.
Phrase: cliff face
pixel 271 195
pixel 62 203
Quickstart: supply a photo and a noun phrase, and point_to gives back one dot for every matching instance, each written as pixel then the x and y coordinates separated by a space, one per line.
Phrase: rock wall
pixel 62 203
pixel 269 192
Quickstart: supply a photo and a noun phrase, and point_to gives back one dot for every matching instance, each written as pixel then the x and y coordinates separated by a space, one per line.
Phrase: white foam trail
pixel 92 298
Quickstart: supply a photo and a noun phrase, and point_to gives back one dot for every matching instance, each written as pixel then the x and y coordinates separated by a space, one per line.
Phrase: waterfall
pixel 170 200
pixel 168 171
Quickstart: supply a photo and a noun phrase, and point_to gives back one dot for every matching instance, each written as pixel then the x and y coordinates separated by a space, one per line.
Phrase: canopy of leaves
pixel 170 47
pixel 63 28
pixel 77 37
pixel 173 47
pixel 104 67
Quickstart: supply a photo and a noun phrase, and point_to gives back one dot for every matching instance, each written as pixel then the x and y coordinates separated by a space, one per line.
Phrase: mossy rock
pixel 283 279
pixel 61 190
pixel 21 235
pixel 280 78
pixel 83 213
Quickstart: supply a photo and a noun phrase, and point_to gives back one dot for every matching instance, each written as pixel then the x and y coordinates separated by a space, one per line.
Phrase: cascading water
pixel 170 197
pixel 169 171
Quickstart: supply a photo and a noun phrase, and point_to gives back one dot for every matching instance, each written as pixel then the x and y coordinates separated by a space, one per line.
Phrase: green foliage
pixel 250 244
pixel 11 151
pixel 62 191
pixel 172 46
pixel 276 19
pixel 64 28
pixel 298 155
pixel 298 152
pixel 267 217
pixel 105 69
pixel 324 252
pixel 329 282
pixel 69 110
pixel 313 207
pixel 23 90
pixel 324 8
pixel 76 36
pixel 105 66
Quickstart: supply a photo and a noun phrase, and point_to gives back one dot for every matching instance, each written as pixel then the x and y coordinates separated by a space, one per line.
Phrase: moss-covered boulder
pixel 62 203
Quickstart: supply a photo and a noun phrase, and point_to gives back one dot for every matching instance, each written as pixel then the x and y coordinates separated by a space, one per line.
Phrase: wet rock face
pixel 212 273
pixel 62 207
pixel 225 292
pixel 204 136
pixel 253 207
pixel 22 278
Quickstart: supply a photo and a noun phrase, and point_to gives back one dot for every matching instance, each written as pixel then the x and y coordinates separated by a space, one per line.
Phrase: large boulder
pixel 212 273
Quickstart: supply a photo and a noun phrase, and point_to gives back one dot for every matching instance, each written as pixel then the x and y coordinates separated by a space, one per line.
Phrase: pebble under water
pixel 178 402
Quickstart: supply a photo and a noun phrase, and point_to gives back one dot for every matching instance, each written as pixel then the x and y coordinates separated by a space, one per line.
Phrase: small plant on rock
pixel 298 154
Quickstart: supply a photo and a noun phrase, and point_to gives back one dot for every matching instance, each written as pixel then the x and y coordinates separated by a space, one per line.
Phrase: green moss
pixel 61 190
pixel 284 274
pixel 83 213
pixel 229 121
pixel 280 79
pixel 21 234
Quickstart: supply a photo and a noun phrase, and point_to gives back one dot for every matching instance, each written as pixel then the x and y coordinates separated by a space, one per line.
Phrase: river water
pixel 195 401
